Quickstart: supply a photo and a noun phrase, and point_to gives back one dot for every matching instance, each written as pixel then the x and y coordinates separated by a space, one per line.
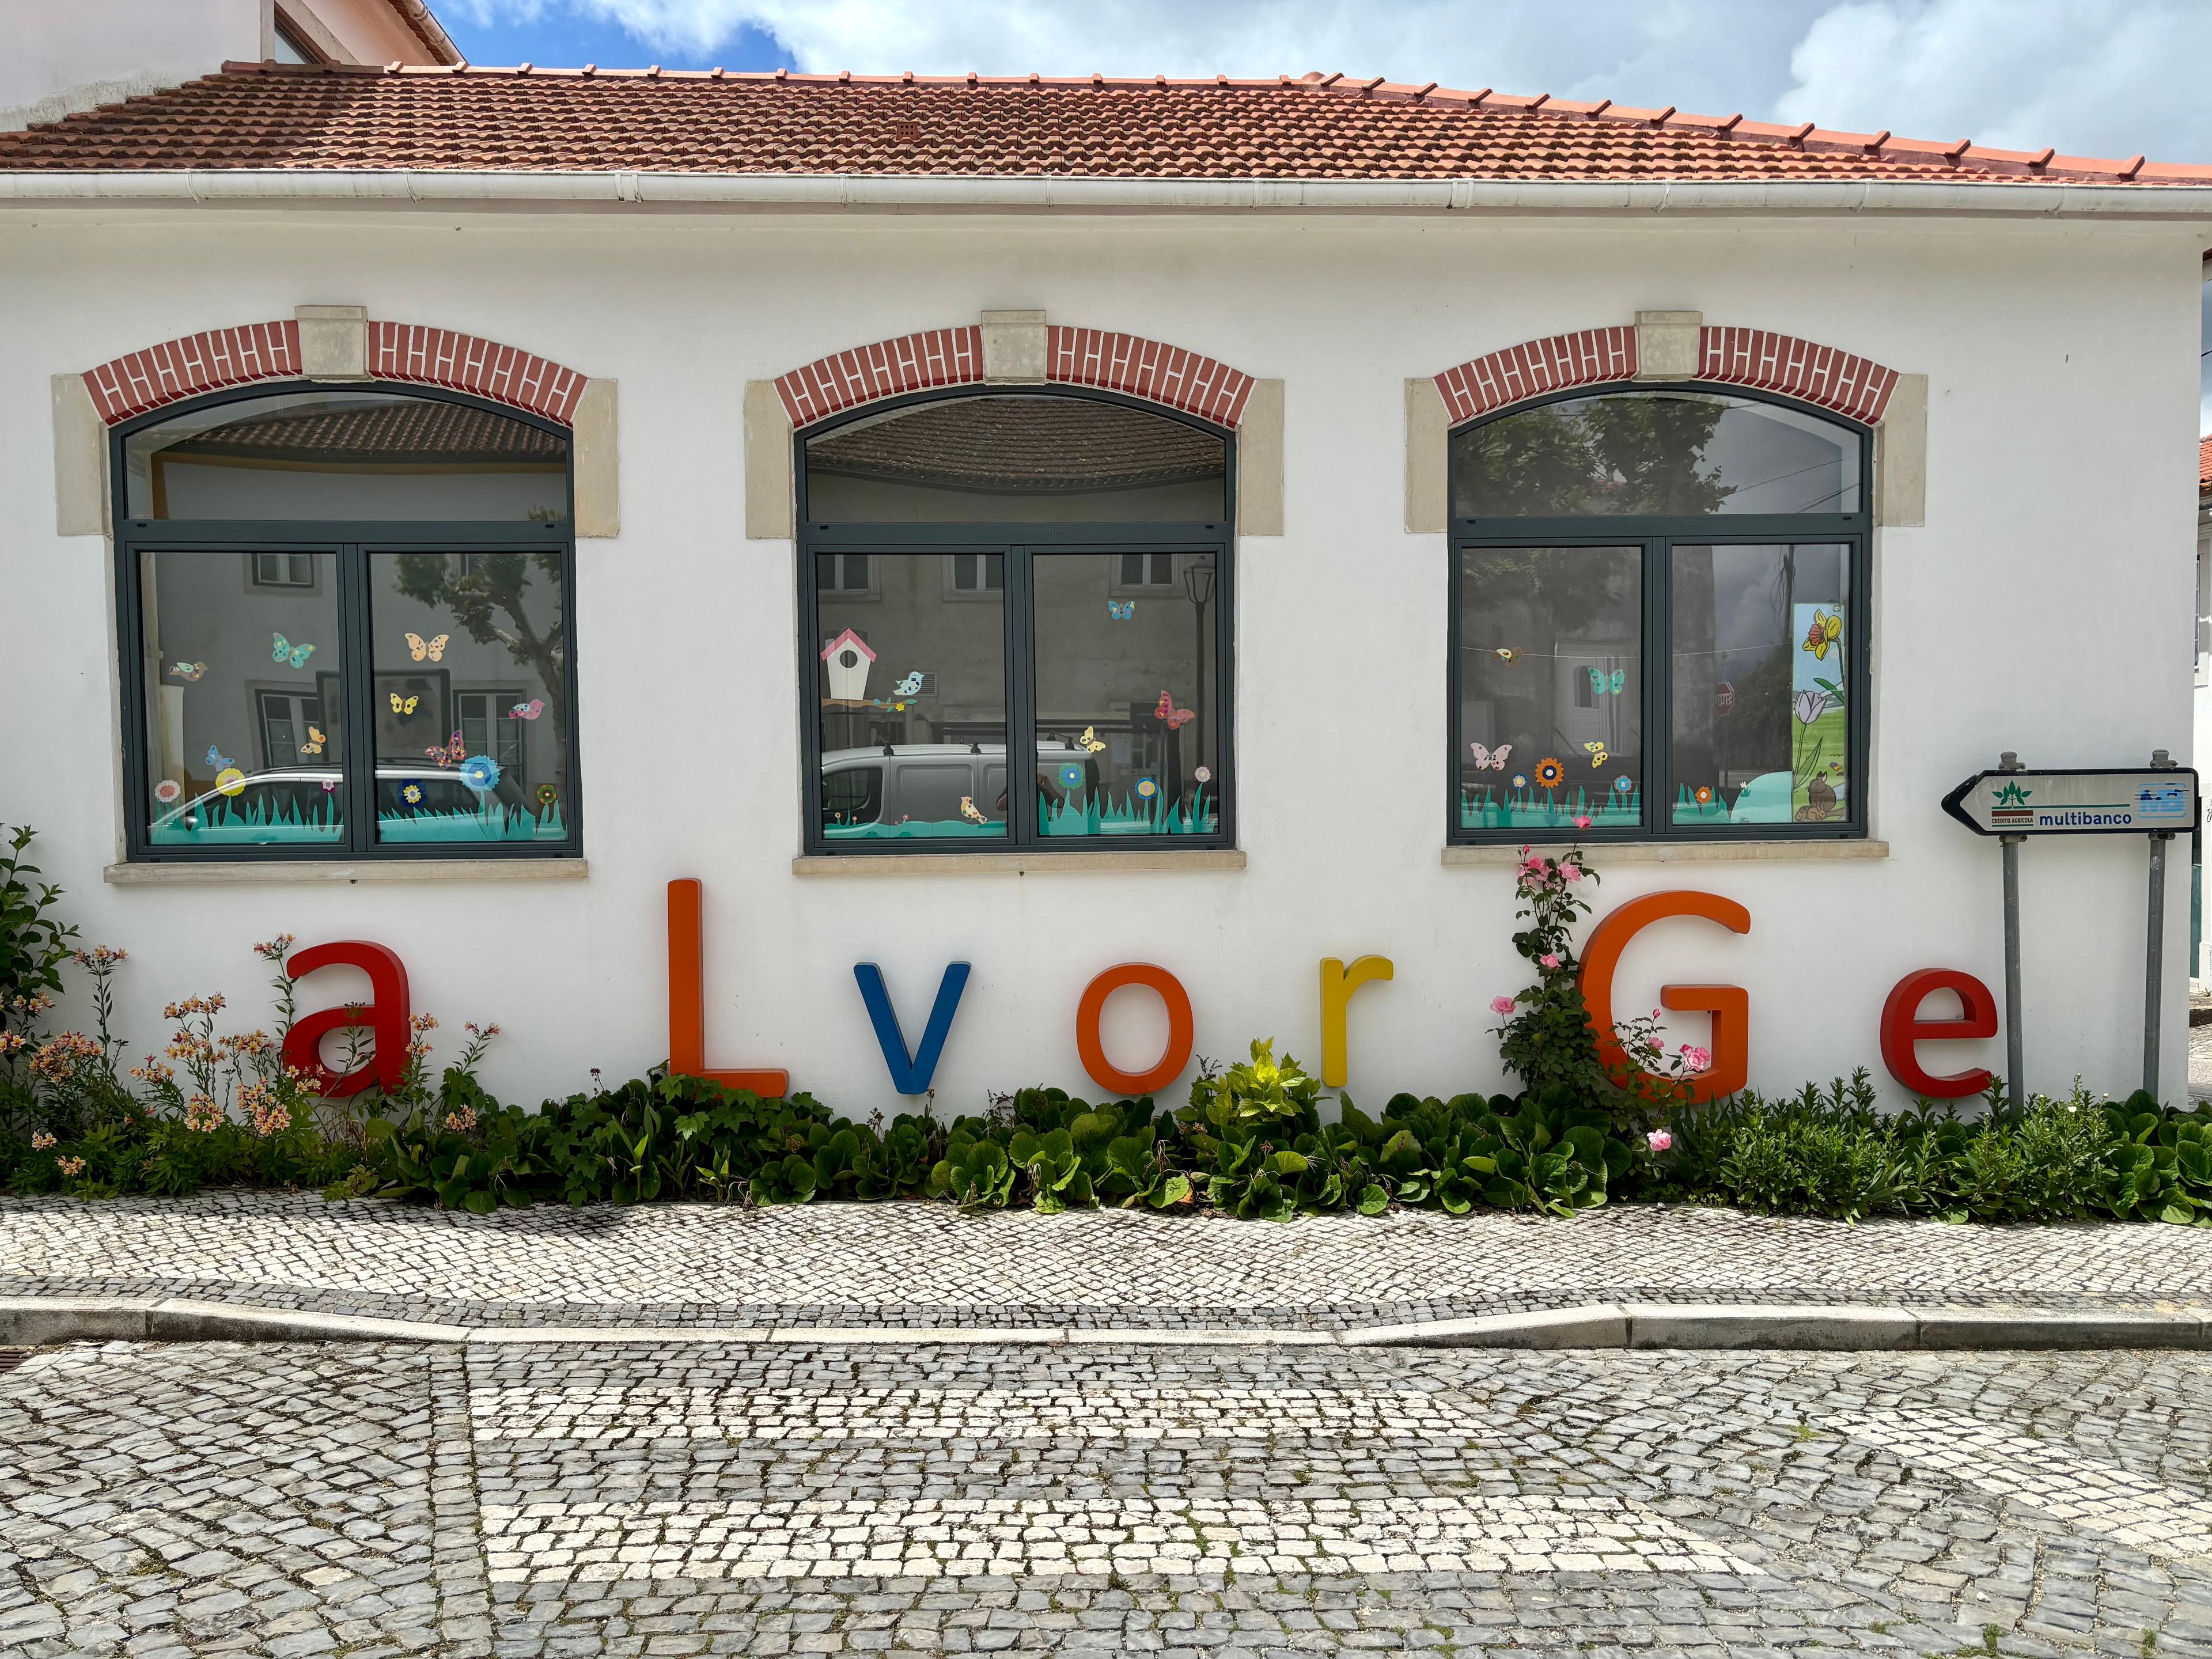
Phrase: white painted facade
pixel 64 56
pixel 2039 609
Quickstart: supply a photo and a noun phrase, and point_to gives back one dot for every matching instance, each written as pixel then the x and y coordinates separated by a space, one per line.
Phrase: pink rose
pixel 1659 1140
pixel 1571 872
pixel 1582 823
pixel 1501 1005
pixel 1548 960
pixel 1697 1060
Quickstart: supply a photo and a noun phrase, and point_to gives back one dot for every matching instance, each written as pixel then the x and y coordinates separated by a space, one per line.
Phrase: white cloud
pixel 2090 76
pixel 2105 77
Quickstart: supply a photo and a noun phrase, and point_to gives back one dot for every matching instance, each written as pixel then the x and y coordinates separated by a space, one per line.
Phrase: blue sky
pixel 567 39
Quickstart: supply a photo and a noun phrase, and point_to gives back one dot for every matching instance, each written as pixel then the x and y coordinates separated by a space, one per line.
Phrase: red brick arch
pixel 406 352
pixel 1812 373
pixel 1137 367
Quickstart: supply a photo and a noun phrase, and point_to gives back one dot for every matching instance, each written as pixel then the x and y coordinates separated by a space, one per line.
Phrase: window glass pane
pixel 911 699
pixel 1551 688
pixel 1127 735
pixel 470 698
pixel 1654 454
pixel 1002 459
pixel 1761 734
pixel 242 703
pixel 373 455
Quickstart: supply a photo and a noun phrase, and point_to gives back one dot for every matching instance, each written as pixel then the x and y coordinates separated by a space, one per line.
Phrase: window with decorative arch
pixel 346 617
pixel 1659 602
pixel 1016 585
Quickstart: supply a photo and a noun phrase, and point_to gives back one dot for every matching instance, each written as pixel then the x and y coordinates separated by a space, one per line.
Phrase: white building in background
pixel 430 496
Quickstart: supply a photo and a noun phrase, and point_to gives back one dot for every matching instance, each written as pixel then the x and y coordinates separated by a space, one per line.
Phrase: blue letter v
pixel 911 1076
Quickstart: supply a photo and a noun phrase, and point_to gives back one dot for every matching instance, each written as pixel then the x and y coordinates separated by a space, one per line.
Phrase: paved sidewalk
pixel 925 1265
pixel 278 1502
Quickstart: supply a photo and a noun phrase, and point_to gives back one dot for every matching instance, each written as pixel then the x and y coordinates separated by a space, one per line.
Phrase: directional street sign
pixel 2087 801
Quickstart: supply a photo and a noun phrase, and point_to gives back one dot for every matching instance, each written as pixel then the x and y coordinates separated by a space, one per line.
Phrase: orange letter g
pixel 1729 1004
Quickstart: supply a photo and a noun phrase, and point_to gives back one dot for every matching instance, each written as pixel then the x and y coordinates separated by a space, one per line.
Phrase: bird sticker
pixel 1825 632
pixel 527 711
pixel 282 650
pixel 1492 760
pixel 1601 682
pixel 401 705
pixel 418 647
pixel 448 754
pixel 1598 756
pixel 1089 742
pixel 970 812
pixel 910 685
pixel 315 741
pixel 1507 654
pixel 1121 610
pixel 1175 717
pixel 188 670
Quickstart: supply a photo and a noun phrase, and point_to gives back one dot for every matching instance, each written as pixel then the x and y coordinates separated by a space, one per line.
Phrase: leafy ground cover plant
pixel 1833 1153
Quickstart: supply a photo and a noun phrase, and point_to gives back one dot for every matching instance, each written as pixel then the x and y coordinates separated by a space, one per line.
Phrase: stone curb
pixel 43 1321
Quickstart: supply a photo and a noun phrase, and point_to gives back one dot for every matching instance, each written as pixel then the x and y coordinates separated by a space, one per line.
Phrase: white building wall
pixel 2040 609
pixel 67 55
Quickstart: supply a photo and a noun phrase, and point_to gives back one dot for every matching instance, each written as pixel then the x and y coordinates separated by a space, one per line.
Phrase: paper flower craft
pixel 1070 777
pixel 1623 783
pixel 1204 775
pixel 547 794
pixel 412 794
pixel 166 790
pixel 230 781
pixel 480 772
pixel 1147 788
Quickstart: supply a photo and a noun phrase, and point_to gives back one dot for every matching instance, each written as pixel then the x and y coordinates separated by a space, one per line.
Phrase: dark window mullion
pixel 1020 648
pixel 357 693
pixel 1858 720
pixel 1659 687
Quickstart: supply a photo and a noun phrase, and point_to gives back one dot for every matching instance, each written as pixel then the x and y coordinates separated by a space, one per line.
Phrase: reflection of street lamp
pixel 1198 582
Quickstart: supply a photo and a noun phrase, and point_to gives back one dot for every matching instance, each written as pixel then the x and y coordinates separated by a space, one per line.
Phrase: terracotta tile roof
pixel 2204 468
pixel 387 430
pixel 528 119
pixel 1021 444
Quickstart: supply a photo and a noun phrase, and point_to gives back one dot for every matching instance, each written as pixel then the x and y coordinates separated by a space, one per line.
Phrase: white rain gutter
pixel 712 193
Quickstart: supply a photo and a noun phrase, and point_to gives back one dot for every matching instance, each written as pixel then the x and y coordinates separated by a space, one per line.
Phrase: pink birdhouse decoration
pixel 849 660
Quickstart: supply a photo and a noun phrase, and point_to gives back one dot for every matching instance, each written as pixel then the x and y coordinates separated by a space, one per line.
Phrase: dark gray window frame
pixel 1020 543
pixel 1657 536
pixel 353 541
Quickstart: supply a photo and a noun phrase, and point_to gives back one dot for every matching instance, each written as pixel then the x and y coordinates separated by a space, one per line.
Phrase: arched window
pixel 1658 619
pixel 350 613
pixel 1015 585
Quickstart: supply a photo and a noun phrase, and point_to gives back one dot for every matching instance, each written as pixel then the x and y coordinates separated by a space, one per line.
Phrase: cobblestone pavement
pixel 916 1264
pixel 2200 1062
pixel 377 1500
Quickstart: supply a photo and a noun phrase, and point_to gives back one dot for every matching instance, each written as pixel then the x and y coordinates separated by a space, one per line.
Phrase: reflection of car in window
pixel 925 783
pixel 314 798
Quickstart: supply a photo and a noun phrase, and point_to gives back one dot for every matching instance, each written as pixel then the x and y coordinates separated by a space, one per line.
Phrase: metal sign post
pixel 2013 803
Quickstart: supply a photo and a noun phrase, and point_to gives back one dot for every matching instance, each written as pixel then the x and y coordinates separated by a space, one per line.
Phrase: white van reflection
pixel 299 803
pixel 894 790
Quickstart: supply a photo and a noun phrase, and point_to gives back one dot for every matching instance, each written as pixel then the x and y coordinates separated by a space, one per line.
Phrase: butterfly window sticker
pixel 282 650
pixel 1819 725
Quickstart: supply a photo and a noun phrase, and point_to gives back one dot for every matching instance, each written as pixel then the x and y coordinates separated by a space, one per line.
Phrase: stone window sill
pixel 1012 863
pixel 1681 852
pixel 260 872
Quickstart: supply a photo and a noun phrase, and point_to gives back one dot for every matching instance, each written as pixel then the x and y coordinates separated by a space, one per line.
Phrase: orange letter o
pixel 1182 1029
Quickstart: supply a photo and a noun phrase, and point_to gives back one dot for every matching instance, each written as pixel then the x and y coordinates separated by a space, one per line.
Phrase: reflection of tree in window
pixel 489 597
pixel 1637 454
